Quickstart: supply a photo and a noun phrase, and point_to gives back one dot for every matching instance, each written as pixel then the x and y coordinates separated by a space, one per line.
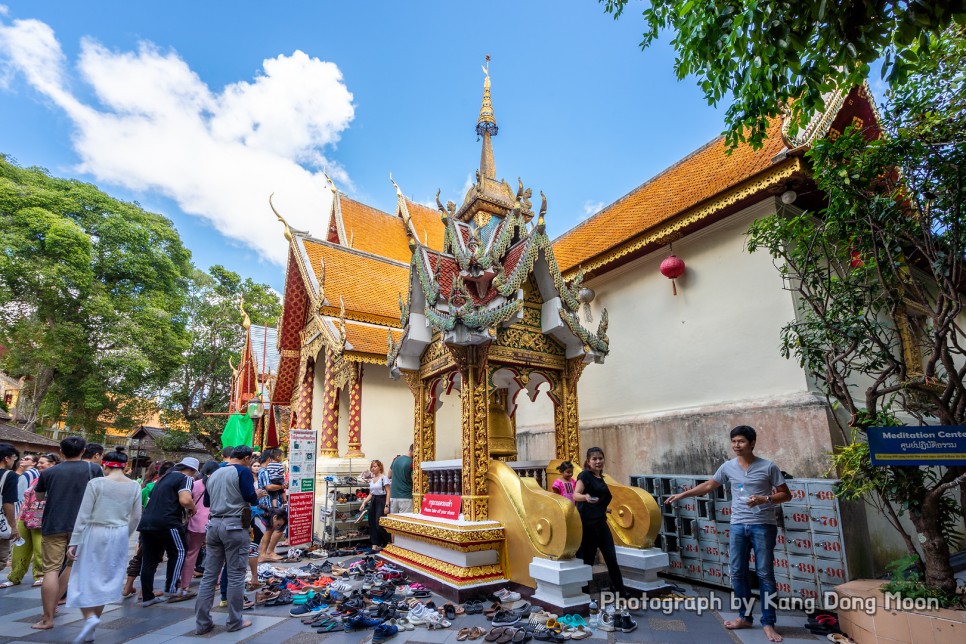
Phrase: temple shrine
pixel 490 316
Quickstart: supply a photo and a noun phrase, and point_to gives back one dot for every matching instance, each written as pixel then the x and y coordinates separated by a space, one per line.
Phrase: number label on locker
pixel 805 589
pixel 799 492
pixel 693 568
pixel 828 546
pixel 801 567
pixel 831 573
pixel 690 548
pixel 797 517
pixel 821 494
pixel 798 545
pixel 784 587
pixel 780 562
pixel 710 551
pixel 824 520
pixel 722 510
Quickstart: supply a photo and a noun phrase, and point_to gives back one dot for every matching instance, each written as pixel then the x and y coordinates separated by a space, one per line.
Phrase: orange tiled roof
pixel 369 339
pixel 367 284
pixel 374 231
pixel 379 233
pixel 699 176
pixel 427 224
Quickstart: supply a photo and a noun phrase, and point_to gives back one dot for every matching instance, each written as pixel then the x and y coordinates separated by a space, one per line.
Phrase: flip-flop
pixel 838 638
pixel 495 634
pixel 8 584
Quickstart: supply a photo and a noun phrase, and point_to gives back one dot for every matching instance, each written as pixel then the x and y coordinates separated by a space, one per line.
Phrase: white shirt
pixel 377 486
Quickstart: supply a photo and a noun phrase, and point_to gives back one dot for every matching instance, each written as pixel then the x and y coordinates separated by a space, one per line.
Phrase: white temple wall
pixel 449 428
pixel 685 369
pixel 387 416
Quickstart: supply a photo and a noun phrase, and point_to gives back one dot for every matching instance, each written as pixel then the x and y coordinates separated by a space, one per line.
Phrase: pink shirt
pixel 198 522
pixel 564 488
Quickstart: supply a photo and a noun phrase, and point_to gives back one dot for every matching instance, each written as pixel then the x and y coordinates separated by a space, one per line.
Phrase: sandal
pixel 9 584
pixel 495 634
pixel 477 632
pixel 449 611
pixel 463 635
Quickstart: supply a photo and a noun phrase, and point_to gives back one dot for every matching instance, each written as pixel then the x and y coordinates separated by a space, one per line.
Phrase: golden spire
pixel 486 127
pixel 487 120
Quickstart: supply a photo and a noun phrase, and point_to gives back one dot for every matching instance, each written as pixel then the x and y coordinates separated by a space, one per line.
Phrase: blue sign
pixel 930 445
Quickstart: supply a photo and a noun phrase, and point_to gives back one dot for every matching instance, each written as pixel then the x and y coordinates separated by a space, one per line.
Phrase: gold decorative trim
pixel 370 358
pixel 442 540
pixel 510 355
pixel 444 571
pixel 290 353
pixel 774 176
pixel 357 316
pixel 444 532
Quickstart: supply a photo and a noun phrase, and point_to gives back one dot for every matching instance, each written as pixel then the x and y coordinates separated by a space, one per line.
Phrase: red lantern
pixel 672 268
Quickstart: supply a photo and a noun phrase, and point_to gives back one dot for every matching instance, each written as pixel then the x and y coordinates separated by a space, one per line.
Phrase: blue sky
pixel 199 110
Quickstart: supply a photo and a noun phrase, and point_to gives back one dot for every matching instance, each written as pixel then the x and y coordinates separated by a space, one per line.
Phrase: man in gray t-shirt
pixel 757 486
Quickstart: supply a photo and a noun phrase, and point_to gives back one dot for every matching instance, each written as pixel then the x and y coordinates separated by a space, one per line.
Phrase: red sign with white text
pixel 301 506
pixel 444 506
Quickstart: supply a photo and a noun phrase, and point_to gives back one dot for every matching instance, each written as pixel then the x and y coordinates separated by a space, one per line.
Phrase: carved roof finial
pixel 487 120
pixel 246 321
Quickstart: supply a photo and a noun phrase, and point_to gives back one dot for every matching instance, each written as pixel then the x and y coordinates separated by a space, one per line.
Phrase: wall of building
pixel 685 369
pixel 387 415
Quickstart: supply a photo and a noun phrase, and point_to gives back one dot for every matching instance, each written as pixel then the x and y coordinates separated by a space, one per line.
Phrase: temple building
pixel 342 299
pixel 686 359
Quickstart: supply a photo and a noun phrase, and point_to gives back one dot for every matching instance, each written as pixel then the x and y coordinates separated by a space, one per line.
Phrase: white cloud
pixel 4 9
pixel 158 127
pixel 592 208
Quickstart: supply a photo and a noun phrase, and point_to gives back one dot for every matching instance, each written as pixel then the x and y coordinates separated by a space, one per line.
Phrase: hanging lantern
pixel 672 268
pixel 256 407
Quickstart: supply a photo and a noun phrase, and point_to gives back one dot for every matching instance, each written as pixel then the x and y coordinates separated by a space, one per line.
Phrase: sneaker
pixel 384 632
pixel 313 605
pixel 627 624
pixel 152 602
pixel 505 618
pixel 360 620
pixel 505 596
pixel 607 622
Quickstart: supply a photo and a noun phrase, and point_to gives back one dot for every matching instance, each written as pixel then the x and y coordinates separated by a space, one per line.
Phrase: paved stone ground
pixel 162 623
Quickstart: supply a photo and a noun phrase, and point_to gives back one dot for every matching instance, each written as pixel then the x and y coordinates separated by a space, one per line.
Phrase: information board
pixel 930 445
pixel 303 445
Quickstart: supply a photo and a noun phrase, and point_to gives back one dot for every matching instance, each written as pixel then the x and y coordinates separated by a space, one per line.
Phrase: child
pixel 564 486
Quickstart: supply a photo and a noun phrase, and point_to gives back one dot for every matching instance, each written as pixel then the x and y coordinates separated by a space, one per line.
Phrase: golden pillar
pixel 566 416
pixel 355 412
pixel 424 435
pixel 329 435
pixel 303 402
pixel 472 361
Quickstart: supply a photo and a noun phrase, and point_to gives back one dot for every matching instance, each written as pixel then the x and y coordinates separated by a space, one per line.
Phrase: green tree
pixel 90 292
pixel 764 55
pixel 214 325
pixel 879 276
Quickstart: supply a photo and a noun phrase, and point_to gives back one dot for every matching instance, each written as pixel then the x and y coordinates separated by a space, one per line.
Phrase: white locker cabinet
pixel 810 554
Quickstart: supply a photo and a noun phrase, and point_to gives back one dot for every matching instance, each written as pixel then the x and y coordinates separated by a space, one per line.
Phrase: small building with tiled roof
pixel 341 306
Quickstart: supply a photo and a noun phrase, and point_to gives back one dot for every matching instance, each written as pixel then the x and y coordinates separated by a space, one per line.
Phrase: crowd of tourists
pixel 71 516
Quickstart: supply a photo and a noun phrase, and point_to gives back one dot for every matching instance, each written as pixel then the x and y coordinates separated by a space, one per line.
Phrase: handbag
pixel 5 529
pixel 246 518
pixel 32 514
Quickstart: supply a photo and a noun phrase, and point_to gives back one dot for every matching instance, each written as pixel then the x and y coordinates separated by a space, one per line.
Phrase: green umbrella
pixel 238 431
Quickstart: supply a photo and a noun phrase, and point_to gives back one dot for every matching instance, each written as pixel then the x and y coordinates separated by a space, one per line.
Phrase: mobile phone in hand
pixel 593 499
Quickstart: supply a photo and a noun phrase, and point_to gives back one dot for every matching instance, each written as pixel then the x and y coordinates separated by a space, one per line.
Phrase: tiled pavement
pixel 163 623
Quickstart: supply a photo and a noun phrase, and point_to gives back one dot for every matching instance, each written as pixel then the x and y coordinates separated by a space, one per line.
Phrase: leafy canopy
pixel 880 284
pixel 213 321
pixel 764 55
pixel 90 294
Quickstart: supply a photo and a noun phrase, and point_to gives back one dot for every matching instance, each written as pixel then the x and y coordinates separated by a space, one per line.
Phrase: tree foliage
pixel 880 282
pixel 764 55
pixel 90 294
pixel 213 322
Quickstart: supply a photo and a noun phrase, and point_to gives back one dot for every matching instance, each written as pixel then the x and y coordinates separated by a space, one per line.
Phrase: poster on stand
pixel 301 487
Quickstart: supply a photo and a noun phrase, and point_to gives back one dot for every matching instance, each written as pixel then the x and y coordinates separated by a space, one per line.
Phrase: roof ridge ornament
pixel 289 231
pixel 487 120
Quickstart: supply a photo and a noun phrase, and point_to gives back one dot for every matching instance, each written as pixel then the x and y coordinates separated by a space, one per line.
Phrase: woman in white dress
pixel 108 516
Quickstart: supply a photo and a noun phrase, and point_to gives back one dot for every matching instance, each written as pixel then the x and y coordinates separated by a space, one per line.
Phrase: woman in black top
pixel 592 497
